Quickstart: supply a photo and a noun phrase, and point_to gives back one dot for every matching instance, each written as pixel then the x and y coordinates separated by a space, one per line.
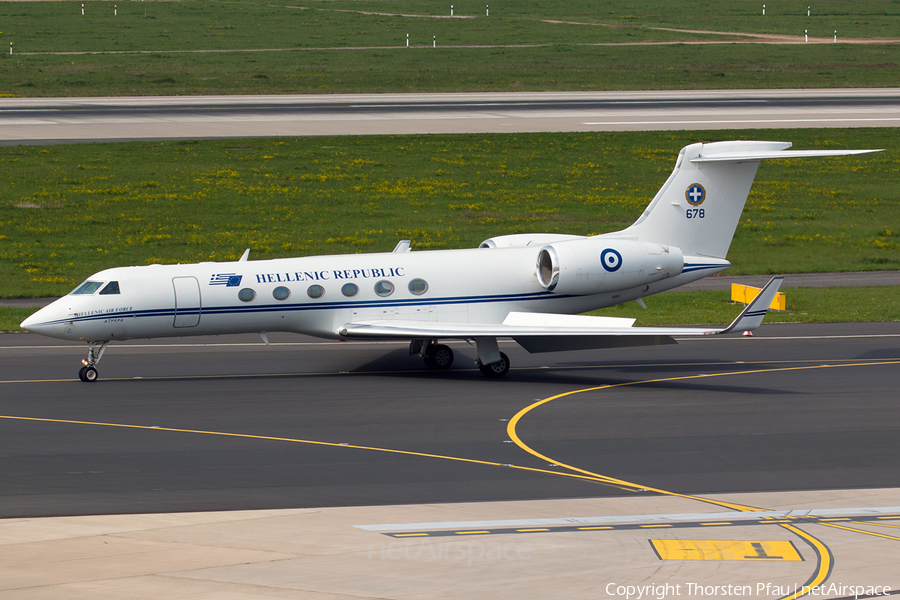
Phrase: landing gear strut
pixel 88 372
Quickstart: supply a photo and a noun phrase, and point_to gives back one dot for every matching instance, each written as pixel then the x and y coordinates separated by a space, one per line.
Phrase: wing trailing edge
pixel 543 332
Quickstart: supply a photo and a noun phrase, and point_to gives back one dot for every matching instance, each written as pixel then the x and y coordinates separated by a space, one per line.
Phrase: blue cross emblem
pixel 695 194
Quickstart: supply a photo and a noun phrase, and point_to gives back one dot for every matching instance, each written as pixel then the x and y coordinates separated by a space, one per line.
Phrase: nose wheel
pixel 88 373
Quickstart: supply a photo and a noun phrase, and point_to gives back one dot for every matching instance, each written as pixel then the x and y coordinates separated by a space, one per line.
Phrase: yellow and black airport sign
pixel 725 550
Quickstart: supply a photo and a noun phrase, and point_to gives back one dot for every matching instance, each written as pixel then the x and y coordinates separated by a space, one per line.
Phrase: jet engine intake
pixel 598 265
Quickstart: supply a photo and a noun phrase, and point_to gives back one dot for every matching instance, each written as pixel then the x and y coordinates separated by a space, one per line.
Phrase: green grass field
pixel 876 18
pixel 67 211
pixel 245 24
pixel 531 45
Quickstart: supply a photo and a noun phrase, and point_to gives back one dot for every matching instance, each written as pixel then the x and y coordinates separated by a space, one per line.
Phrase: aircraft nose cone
pixel 31 323
pixel 28 323
pixel 46 321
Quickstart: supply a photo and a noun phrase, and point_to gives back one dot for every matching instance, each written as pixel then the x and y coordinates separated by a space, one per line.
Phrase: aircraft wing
pixel 543 332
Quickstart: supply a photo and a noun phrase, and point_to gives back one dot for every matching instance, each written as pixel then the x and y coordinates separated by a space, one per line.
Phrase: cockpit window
pixel 111 288
pixel 88 287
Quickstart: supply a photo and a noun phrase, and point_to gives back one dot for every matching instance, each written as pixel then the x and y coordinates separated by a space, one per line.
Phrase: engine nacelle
pixel 597 265
pixel 522 240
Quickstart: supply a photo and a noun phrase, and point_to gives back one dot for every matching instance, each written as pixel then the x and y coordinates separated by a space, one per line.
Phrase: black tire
pixel 495 369
pixel 90 374
pixel 442 356
pixel 438 357
pixel 81 373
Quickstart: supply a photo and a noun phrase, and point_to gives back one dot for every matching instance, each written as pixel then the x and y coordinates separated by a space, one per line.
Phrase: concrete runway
pixel 431 491
pixel 58 120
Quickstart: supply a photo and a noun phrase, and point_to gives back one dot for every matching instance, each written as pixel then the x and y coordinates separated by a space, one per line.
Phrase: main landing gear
pixel 439 357
pixel 495 369
pixel 436 356
pixel 88 372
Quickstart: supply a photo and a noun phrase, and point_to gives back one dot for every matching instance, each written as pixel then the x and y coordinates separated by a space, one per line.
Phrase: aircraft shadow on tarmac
pixel 880 353
pixel 399 364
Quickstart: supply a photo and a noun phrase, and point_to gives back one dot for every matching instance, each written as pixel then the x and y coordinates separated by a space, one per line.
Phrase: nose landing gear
pixel 88 372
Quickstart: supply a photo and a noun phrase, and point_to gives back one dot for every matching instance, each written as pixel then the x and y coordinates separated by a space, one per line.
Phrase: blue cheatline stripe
pixel 266 308
pixel 690 268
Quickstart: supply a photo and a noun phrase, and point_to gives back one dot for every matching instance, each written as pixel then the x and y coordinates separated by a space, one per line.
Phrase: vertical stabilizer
pixel 699 206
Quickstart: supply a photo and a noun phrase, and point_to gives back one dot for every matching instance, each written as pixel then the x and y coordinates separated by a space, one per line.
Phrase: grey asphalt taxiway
pixel 229 423
pixel 323 470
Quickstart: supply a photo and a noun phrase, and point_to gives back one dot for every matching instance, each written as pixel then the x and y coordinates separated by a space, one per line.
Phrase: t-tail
pixel 698 208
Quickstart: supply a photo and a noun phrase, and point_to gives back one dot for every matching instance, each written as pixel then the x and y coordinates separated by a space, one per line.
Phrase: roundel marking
pixel 611 260
pixel 695 194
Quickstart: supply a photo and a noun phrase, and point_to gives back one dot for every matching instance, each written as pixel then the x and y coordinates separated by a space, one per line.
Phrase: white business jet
pixel 528 287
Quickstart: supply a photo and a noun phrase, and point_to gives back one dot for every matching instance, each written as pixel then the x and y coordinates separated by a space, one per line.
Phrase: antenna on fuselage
pixel 244 256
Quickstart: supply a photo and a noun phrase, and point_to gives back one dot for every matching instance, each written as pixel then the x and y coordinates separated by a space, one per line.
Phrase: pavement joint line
pixel 680 525
pixel 863 531
pixel 673 517
pixel 858 522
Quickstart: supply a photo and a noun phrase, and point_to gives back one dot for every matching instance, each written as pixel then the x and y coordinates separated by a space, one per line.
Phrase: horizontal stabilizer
pixel 763 155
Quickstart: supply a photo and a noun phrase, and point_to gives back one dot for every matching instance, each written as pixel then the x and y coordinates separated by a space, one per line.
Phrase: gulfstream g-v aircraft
pixel 528 287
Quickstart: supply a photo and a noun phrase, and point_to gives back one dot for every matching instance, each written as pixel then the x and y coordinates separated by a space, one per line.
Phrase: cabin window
pixel 281 293
pixel 384 288
pixel 418 286
pixel 111 288
pixel 246 295
pixel 315 291
pixel 350 289
pixel 88 287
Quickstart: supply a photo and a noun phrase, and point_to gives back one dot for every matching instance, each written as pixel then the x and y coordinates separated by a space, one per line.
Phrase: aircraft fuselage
pixel 316 295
